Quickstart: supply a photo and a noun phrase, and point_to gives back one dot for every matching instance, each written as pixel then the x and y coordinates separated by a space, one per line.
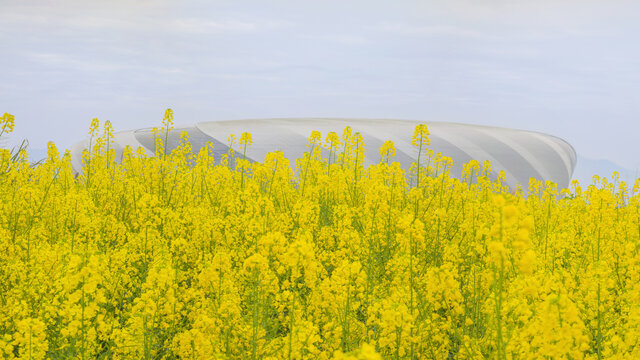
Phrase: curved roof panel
pixel 521 154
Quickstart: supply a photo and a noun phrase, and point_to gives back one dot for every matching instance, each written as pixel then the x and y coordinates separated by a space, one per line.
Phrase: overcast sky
pixel 567 68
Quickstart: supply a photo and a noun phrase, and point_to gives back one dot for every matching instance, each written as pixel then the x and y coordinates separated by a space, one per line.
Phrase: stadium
pixel 520 154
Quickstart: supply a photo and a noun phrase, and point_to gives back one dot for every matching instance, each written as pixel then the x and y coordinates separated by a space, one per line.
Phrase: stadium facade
pixel 521 154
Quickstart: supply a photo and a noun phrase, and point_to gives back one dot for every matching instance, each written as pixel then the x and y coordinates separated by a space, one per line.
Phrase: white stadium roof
pixel 521 154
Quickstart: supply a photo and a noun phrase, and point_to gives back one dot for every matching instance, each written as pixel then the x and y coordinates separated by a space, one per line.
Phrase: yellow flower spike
pixel 167 120
pixel 231 140
pixel 52 152
pixel 387 151
pixel 486 168
pixel 332 141
pixel 315 137
pixel 420 136
pixel 551 188
pixel 246 139
pixel 93 129
pixel 502 176
pixel 108 130
pixel 8 123
pixel 346 134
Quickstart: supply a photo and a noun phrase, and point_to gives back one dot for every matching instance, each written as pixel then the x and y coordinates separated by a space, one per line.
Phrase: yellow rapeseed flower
pixel 180 255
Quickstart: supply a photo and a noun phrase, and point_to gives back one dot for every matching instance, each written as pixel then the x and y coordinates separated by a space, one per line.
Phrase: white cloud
pixel 76 64
pixel 204 26
pixel 344 39
pixel 433 30
pixel 244 76
pixel 121 16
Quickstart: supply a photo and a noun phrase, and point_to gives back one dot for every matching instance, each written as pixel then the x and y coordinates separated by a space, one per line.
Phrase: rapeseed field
pixel 186 256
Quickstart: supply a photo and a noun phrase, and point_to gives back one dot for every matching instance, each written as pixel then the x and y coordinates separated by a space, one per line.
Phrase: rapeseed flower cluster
pixel 187 256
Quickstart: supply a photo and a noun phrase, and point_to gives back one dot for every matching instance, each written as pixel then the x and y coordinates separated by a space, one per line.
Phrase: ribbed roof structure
pixel 521 154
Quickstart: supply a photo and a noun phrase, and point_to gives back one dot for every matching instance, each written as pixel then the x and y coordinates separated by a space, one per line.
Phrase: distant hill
pixel 586 168
pixel 35 155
